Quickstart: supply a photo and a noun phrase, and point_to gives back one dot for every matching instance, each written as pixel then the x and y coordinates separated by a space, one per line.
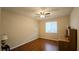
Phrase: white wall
pixel 62 23
pixel 75 23
pixel 20 28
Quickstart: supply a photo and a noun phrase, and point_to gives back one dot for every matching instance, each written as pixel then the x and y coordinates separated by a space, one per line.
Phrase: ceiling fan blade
pixel 47 13
pixel 42 13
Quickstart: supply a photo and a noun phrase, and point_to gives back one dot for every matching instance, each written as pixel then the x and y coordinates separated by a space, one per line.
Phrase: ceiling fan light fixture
pixel 42 16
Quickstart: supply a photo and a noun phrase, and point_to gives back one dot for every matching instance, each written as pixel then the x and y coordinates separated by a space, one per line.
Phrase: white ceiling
pixel 31 11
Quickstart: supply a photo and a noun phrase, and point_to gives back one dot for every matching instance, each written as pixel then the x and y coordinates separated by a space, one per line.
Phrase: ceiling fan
pixel 43 14
pixel 46 12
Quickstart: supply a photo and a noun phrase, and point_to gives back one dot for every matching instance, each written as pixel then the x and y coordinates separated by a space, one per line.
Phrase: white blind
pixel 51 27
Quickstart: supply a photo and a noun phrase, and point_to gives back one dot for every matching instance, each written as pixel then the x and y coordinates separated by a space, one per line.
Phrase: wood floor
pixel 39 45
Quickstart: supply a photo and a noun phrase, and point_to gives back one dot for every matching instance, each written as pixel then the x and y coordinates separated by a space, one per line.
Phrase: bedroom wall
pixel 0 28
pixel 20 29
pixel 74 22
pixel 62 23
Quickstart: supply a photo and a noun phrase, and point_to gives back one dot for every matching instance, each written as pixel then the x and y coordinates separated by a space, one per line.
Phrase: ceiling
pixel 31 11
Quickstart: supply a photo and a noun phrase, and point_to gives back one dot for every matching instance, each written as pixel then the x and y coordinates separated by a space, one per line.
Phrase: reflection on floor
pixel 39 45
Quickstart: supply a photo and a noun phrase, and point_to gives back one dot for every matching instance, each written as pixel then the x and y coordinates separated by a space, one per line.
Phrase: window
pixel 51 27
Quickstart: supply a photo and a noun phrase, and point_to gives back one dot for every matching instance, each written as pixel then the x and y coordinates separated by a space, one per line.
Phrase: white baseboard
pixel 54 39
pixel 23 44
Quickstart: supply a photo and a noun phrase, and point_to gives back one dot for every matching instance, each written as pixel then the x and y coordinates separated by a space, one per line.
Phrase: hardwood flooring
pixel 39 45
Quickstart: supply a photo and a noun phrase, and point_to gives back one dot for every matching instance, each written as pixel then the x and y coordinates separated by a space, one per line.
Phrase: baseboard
pixel 50 39
pixel 22 44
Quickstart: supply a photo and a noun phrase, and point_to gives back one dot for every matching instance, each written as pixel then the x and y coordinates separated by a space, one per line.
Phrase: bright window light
pixel 51 27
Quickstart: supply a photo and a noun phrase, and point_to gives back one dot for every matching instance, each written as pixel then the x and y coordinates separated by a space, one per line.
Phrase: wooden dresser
pixel 72 44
